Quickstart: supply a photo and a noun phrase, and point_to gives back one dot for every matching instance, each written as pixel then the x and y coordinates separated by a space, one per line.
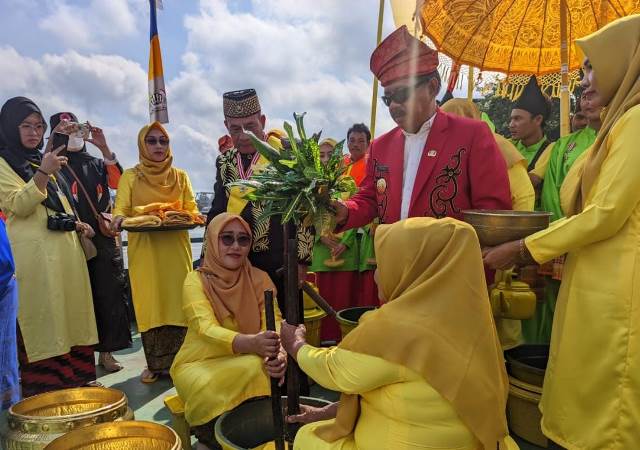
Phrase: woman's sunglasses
pixel 153 141
pixel 228 239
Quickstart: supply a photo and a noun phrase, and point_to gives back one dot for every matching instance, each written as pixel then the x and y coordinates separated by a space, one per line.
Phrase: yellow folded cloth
pixel 177 218
pixel 142 221
pixel 157 207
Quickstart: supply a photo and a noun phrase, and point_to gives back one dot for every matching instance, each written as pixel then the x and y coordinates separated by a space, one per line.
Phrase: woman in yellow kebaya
pixel 222 362
pixel 158 261
pixel 591 395
pixel 423 371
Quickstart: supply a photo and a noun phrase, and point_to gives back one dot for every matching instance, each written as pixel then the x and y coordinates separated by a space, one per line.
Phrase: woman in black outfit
pixel 89 179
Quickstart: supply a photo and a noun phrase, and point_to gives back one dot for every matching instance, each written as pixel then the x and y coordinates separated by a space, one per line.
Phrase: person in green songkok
pixel 528 118
pixel 563 155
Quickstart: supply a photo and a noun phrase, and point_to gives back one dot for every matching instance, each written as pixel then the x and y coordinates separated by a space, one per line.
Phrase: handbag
pixel 88 247
pixel 103 218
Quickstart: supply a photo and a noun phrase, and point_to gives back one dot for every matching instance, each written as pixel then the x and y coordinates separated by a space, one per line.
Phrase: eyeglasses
pixel 153 141
pixel 228 239
pixel 402 94
pixel 26 127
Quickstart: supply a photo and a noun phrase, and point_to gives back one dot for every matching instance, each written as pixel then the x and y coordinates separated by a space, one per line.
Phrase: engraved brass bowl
pixel 119 436
pixel 495 227
pixel 38 420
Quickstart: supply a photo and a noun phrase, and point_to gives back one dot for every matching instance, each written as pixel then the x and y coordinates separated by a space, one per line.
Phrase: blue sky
pixel 91 56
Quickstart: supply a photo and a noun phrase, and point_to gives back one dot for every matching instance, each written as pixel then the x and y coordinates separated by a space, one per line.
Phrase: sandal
pixel 109 363
pixel 149 377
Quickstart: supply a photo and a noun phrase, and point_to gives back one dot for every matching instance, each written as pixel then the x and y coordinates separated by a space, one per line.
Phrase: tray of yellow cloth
pixel 162 221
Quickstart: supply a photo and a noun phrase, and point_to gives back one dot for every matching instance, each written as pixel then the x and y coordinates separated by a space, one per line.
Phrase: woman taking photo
pixel 57 325
pixel 591 394
pixel 423 371
pixel 222 362
pixel 89 179
pixel 158 261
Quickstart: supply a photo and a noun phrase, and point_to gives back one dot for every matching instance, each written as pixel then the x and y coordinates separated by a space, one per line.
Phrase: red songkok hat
pixel 401 55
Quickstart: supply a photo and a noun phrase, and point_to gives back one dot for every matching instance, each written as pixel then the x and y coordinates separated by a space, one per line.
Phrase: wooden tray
pixel 162 228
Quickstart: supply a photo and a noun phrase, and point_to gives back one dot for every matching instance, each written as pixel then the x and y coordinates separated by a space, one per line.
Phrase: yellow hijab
pixel 466 108
pixel 155 181
pixel 614 53
pixel 437 322
pixel 238 293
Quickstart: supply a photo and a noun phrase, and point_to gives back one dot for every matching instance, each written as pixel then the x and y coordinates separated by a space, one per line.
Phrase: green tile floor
pixel 147 400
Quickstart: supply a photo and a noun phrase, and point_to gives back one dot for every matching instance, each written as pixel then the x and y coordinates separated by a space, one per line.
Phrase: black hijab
pixel 22 160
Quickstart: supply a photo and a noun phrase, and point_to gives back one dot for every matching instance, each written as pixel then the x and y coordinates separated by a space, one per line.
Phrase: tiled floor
pixel 147 399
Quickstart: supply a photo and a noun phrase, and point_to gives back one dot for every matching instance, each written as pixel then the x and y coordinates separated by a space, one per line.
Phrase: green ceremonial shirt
pixel 321 253
pixel 563 154
pixel 367 252
pixel 530 152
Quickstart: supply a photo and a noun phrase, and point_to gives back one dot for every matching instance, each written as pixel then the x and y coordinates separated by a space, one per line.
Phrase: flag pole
pixel 564 71
pixel 374 97
pixel 157 93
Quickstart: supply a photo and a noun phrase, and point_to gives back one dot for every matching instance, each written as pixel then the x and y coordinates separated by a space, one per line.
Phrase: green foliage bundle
pixel 295 184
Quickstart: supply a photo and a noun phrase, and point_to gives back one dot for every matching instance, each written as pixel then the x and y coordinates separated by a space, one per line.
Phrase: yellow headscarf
pixel 466 108
pixel 155 181
pixel 437 322
pixel 614 53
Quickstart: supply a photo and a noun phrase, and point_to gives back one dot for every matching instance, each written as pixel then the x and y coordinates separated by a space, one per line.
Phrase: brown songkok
pixel 242 103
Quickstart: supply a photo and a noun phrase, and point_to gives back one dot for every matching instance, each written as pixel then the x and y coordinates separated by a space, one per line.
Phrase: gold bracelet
pixel 523 253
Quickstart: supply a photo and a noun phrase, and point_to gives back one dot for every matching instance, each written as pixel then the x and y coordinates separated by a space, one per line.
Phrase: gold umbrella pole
pixel 470 84
pixel 374 97
pixel 564 71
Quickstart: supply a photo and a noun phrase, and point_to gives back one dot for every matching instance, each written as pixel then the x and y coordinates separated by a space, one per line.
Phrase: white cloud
pixel 84 27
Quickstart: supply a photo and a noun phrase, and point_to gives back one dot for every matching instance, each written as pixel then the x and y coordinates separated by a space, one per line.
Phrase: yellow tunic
pixel 523 196
pixel 591 396
pixel 158 261
pixel 209 377
pixel 398 409
pixel 56 307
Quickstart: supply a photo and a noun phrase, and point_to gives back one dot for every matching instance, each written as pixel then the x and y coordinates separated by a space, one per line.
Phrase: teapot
pixel 512 299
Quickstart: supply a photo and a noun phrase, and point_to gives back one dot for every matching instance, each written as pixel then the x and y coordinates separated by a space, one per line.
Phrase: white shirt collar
pixel 424 129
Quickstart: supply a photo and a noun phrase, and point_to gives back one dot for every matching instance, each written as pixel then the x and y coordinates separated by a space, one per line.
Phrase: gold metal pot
pixel 118 436
pixel 312 321
pixel 38 420
pixel 512 299
pixel 523 414
pixel 495 227
pixel 348 318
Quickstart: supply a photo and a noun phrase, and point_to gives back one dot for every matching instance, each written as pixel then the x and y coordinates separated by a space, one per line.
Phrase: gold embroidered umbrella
pixel 518 36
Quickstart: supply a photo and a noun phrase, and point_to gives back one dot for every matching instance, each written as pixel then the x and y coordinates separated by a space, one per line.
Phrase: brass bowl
pixel 119 435
pixel 495 227
pixel 38 420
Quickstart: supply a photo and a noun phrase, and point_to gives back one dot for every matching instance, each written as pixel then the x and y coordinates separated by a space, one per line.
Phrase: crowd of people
pixel 425 369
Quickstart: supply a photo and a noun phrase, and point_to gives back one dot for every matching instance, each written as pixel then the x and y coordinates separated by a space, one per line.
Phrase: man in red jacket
pixel 432 164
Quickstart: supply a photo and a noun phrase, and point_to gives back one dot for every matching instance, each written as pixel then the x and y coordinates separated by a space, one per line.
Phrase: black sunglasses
pixel 402 94
pixel 228 239
pixel 153 141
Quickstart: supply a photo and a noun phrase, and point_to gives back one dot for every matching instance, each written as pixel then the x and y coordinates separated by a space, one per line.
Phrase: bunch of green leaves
pixel 295 184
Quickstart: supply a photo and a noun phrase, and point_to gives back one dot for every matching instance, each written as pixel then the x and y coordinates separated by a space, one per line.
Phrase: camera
pixel 61 222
